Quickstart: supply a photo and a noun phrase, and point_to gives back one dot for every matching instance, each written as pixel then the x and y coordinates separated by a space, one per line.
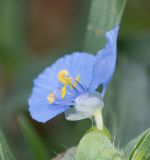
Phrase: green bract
pixel 96 145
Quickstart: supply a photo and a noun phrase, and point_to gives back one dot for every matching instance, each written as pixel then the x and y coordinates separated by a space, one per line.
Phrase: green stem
pixel 98 119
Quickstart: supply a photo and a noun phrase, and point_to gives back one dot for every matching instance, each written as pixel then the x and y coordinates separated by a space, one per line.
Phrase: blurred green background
pixel 33 34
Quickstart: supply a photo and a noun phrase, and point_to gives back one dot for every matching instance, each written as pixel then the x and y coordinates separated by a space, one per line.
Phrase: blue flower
pixel 72 81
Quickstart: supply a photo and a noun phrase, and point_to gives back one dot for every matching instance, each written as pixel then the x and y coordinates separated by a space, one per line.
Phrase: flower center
pixel 65 79
pixel 88 103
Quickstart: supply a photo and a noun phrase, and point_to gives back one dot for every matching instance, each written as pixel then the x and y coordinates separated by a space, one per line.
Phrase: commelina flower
pixel 70 84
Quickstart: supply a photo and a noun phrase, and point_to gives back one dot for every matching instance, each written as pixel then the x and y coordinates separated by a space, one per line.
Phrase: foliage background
pixel 33 34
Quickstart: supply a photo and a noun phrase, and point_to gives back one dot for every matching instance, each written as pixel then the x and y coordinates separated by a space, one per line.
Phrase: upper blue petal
pixel 76 63
pixel 105 61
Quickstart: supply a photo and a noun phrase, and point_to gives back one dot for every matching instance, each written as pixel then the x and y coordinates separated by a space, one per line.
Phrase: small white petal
pixel 85 106
pixel 88 103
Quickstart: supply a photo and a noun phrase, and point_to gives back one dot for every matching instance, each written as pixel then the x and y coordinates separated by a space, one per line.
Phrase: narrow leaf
pixel 5 153
pixel 103 16
pixel 139 148
pixel 33 140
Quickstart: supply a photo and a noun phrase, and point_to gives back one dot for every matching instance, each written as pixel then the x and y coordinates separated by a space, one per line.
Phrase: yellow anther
pixel 63 77
pixel 51 98
pixel 63 91
pixel 77 80
pixel 65 80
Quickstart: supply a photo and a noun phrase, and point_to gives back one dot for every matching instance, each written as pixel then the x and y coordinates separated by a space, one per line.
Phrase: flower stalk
pixel 98 119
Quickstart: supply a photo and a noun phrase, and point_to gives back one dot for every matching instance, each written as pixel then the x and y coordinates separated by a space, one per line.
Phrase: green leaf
pixel 103 16
pixel 5 153
pixel 139 148
pixel 37 147
pixel 95 145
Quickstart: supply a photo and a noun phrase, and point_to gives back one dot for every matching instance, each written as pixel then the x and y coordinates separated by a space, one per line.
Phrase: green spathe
pixel 96 145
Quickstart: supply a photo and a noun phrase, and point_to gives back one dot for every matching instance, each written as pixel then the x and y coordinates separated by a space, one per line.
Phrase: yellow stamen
pixel 65 80
pixel 51 98
pixel 63 77
pixel 77 80
pixel 63 92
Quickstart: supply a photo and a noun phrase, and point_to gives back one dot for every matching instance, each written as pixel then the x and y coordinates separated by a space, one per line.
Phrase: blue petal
pixel 105 62
pixel 41 110
pixel 76 63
